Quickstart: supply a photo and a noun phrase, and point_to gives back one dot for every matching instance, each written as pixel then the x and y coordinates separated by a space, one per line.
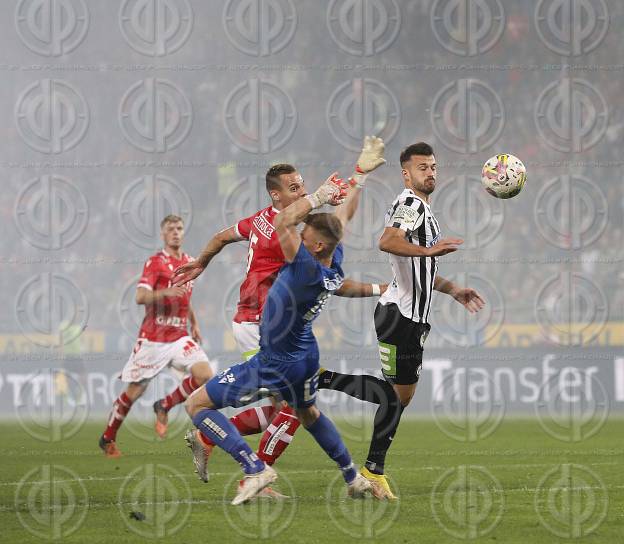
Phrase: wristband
pixel 376 289
pixel 314 201
pixel 358 178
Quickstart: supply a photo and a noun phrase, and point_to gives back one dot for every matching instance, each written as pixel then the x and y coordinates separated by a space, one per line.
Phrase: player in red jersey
pixel 163 340
pixel 284 185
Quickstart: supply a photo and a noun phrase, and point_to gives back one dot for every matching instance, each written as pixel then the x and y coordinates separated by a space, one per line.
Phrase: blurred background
pixel 114 114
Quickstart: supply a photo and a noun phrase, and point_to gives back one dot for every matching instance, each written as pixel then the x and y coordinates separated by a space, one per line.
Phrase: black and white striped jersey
pixel 412 285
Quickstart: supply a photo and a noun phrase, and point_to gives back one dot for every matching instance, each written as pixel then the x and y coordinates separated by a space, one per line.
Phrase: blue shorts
pixel 248 382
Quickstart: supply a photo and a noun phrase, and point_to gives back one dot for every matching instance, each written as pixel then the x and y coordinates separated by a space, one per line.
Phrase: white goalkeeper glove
pixel 371 157
pixel 332 192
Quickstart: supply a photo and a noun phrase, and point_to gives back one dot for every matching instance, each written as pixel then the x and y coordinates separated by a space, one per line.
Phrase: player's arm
pixel 193 269
pixel 371 157
pixel 356 289
pixel 195 332
pixel 393 241
pixel 148 296
pixel 467 297
pixel 332 192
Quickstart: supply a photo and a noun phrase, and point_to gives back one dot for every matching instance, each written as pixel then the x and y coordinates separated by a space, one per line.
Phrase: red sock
pixel 250 421
pixel 278 435
pixel 181 393
pixel 121 407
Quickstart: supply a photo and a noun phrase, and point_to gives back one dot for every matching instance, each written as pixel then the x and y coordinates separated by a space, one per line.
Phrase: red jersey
pixel 264 260
pixel 165 320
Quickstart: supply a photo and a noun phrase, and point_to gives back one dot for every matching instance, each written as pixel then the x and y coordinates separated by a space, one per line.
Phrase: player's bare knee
pixel 201 372
pixel 136 389
pixel 198 400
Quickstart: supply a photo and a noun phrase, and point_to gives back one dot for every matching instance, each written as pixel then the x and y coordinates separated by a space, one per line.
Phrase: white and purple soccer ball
pixel 503 176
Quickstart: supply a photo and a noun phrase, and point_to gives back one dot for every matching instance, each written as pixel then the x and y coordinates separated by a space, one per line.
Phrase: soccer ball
pixel 503 176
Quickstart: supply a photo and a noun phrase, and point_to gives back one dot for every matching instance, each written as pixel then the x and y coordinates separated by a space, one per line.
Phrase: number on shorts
pixel 309 388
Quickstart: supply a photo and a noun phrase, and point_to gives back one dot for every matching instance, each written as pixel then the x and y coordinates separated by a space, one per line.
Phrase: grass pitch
pixel 518 485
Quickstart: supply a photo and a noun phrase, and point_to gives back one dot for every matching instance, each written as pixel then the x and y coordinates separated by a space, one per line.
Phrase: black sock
pixel 387 421
pixel 387 417
pixel 362 387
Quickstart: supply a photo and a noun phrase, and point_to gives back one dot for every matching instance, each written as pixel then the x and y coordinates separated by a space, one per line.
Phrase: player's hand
pixel 445 246
pixel 174 292
pixel 470 299
pixel 196 334
pixel 332 192
pixel 383 287
pixel 372 155
pixel 187 272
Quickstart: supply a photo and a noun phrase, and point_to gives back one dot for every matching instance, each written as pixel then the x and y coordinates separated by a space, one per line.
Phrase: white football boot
pixel 253 484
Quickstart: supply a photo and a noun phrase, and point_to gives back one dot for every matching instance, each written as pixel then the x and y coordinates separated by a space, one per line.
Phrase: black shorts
pixel 401 342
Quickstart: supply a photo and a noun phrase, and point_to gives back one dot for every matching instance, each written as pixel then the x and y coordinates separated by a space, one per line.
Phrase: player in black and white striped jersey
pixel 412 286
pixel 412 239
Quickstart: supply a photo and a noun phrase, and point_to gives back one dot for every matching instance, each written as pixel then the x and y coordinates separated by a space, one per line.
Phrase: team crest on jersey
pixel 265 228
pixel 331 284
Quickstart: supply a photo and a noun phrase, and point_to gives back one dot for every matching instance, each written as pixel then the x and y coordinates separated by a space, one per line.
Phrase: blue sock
pixel 220 430
pixel 326 434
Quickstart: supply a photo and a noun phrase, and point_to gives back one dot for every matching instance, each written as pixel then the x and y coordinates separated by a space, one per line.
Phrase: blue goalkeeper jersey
pixel 296 298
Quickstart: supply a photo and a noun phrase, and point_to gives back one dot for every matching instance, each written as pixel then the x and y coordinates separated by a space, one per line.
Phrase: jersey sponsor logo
pixel 215 428
pixel 264 227
pixel 171 321
pixel 387 355
pixel 407 216
pixel 321 300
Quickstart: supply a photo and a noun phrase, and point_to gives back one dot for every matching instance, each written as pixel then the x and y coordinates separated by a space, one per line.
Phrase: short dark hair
pixel 420 148
pixel 273 174
pixel 328 226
